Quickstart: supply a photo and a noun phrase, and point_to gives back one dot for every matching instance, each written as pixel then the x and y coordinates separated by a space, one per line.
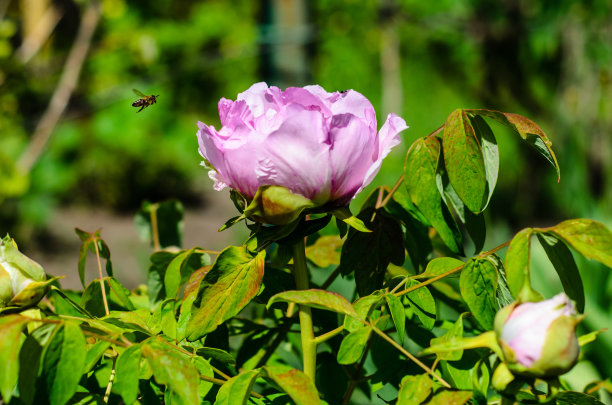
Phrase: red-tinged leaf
pixel 172 277
pixel 414 389
pixel 189 295
pixel 295 383
pixel 10 342
pixel 231 283
pixel 172 369
pixel 325 251
pixel 315 298
pixel 420 180
pixel 237 389
pixel 446 397
pixel 527 130
pixel 589 238
pixel 478 284
pixel 90 241
pixel 464 160
pixel 517 261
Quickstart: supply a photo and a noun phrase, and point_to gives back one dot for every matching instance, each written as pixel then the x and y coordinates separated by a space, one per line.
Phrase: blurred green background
pixel 550 60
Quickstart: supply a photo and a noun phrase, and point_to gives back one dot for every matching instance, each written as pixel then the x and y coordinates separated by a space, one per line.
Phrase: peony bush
pixel 400 301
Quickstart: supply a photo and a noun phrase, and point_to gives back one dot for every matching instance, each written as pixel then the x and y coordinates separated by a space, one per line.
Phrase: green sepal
pixel 502 377
pixel 32 293
pixel 277 205
pixel 347 217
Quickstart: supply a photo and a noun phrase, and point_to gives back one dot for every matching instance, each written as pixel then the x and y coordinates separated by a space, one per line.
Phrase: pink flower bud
pixel 539 338
pixel 322 146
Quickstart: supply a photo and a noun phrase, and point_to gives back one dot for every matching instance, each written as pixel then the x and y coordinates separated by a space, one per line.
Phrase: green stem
pixel 309 346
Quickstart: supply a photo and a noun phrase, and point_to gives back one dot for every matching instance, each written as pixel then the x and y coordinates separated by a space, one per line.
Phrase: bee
pixel 144 101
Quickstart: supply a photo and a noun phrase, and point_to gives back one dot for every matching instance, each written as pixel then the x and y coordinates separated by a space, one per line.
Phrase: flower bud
pixel 538 339
pixel 22 280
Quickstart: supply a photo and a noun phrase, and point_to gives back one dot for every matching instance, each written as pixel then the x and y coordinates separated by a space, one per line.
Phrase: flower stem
pixel 309 346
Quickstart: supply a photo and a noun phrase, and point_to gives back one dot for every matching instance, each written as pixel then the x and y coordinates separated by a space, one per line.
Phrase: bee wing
pixel 138 93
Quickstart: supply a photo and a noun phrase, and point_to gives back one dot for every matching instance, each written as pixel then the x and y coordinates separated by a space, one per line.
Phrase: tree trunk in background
pixel 285 36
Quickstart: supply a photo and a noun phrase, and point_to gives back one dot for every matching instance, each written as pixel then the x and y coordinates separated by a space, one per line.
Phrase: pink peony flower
pixel 322 146
pixel 539 338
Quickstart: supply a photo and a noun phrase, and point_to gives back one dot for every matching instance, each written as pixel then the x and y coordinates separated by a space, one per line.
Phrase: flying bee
pixel 144 101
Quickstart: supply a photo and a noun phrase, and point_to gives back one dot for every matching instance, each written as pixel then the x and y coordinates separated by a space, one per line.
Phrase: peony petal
pixel 355 103
pixel 350 154
pixel 388 138
pixel 293 156
pixel 308 100
pixel 254 96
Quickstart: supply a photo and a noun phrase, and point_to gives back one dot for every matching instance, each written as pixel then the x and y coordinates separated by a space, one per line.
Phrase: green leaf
pixel 31 355
pixel 478 285
pixel 474 223
pixel 422 303
pixel 527 130
pixel 363 306
pixel 447 397
pixel 94 354
pixel 397 313
pixel 231 283
pixel 563 262
pixel 516 262
pixel 127 371
pixel 295 383
pixel 414 389
pixel 10 342
pixel 369 254
pixel 490 153
pixel 205 369
pixel 172 277
pixel 64 362
pixel 325 251
pixel 416 235
pixel 120 294
pixel 168 219
pixel 69 300
pixel 353 345
pixel 589 238
pixel 173 370
pixel 237 389
pixel 464 161
pixel 216 354
pixel 420 180
pixel 441 265
pixel 315 298
pixel 452 336
pixel 576 398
